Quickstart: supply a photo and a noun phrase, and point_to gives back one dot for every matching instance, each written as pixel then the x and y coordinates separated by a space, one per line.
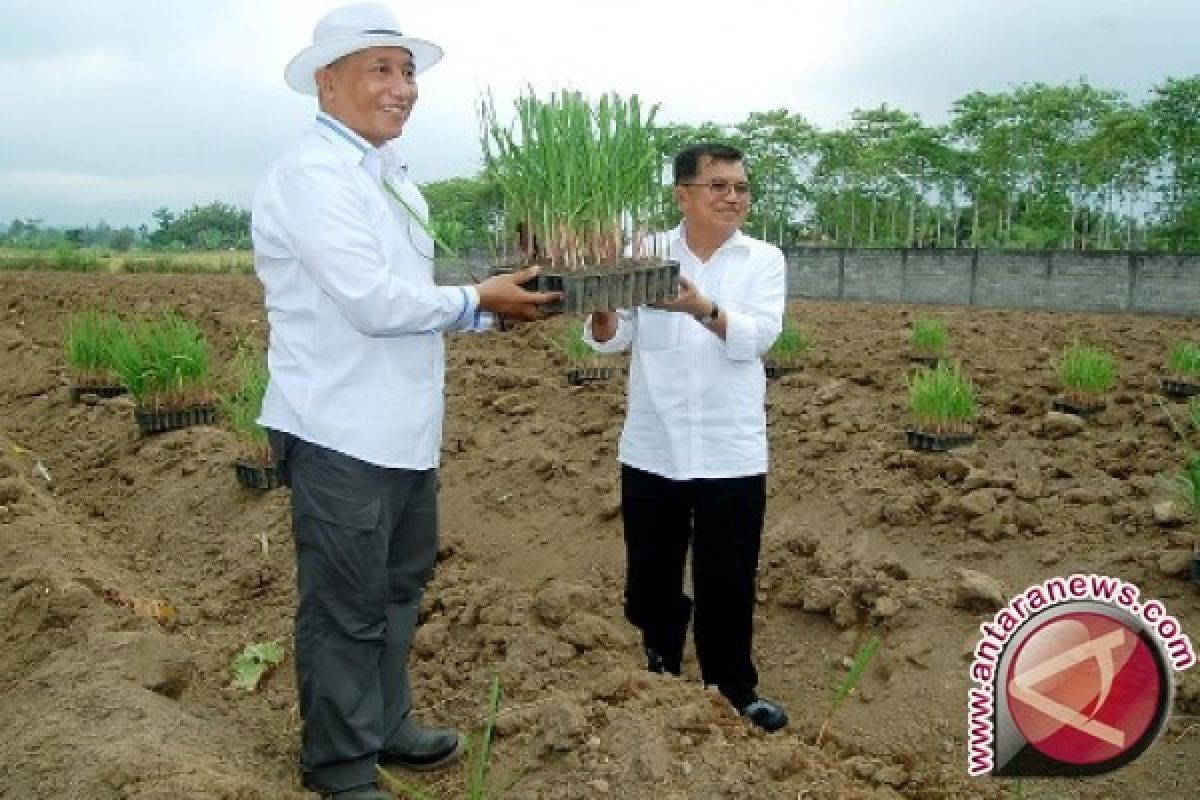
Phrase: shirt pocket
pixel 657 329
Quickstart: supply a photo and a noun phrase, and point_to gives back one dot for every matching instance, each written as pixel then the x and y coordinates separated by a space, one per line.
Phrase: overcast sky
pixel 113 108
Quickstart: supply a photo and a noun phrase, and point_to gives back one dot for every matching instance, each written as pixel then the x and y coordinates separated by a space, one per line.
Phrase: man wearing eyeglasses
pixel 693 450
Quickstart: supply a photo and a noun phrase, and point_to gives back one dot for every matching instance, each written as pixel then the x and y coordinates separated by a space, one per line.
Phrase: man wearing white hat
pixel 355 399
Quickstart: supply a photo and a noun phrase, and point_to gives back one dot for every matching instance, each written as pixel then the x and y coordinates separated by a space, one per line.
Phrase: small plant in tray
pixel 165 365
pixel 929 339
pixel 1087 374
pixel 943 404
pixel 88 343
pixel 1183 370
pixel 583 361
pixel 577 180
pixel 256 467
pixel 788 351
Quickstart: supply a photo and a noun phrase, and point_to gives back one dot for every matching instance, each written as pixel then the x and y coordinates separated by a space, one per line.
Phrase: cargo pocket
pixel 340 550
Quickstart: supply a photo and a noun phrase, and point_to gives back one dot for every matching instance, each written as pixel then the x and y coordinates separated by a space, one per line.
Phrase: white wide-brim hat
pixel 347 30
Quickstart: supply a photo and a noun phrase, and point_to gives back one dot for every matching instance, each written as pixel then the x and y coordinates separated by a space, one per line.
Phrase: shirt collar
pixel 336 132
pixel 737 240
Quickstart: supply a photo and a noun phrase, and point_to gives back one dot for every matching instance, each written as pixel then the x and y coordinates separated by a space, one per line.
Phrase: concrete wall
pixel 1062 280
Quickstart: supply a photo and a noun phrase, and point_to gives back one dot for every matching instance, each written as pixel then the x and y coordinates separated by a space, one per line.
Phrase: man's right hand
pixel 604 325
pixel 501 294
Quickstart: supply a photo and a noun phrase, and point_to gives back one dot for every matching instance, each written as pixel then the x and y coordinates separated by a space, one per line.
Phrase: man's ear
pixel 324 79
pixel 678 191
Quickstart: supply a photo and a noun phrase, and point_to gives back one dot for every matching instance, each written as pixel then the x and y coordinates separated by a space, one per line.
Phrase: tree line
pixel 1072 166
pixel 216 226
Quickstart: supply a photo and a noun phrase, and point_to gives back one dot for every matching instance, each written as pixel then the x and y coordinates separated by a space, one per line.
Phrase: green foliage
pixel 1086 370
pixel 569 341
pixel 163 360
pixel 850 681
pixel 942 397
pixel 243 404
pixel 480 756
pixel 70 257
pixel 254 663
pixel 792 342
pixel 216 226
pixel 1183 359
pixel 462 211
pixel 90 339
pixel 573 173
pixel 929 336
pixel 1184 486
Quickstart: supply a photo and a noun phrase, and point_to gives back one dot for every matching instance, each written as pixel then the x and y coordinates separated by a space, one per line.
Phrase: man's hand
pixel 502 295
pixel 689 300
pixel 604 325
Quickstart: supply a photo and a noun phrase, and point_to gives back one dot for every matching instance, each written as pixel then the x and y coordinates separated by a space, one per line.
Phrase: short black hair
pixel 687 163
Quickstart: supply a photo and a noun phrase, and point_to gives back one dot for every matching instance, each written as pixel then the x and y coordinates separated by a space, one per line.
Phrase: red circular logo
pixel 1083 688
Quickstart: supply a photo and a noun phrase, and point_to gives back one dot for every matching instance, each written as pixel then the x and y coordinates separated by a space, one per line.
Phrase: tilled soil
pixel 133 568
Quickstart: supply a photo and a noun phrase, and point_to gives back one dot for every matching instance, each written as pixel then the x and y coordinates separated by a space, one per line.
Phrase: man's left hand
pixel 689 300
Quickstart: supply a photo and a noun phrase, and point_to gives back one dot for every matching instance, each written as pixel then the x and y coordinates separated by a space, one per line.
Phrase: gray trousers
pixel 366 541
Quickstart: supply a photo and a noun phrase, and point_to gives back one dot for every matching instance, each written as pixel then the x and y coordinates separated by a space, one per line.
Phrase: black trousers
pixel 366 542
pixel 722 520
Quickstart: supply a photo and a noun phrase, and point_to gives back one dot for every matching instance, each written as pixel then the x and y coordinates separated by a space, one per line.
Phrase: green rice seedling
pixel 570 343
pixel 1192 411
pixel 942 399
pixel 88 343
pixel 242 405
pixel 479 761
pixel 850 682
pixel 1086 374
pixel 793 344
pixel 1183 359
pixel 574 175
pixel 164 363
pixel 1184 486
pixel 929 336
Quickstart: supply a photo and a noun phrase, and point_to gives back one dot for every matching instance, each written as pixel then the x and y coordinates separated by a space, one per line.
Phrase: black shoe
pixel 368 791
pixel 429 748
pixel 766 714
pixel 655 662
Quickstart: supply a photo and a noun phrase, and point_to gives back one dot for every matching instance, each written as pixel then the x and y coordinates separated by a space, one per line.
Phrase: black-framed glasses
pixel 721 188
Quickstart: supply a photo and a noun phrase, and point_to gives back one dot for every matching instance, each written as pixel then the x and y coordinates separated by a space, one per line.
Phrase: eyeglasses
pixel 720 188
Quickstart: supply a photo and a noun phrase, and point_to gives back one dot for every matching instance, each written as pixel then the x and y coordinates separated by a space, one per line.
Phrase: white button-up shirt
pixel 355 356
pixel 696 406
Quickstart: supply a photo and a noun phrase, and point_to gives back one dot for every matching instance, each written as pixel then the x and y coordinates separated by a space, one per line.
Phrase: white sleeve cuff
pixel 741 336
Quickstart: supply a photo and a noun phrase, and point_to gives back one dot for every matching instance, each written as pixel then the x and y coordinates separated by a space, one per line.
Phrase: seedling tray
pixel 156 421
pixel 937 442
pixel 77 392
pixel 1180 388
pixel 777 369
pixel 588 290
pixel 1067 407
pixel 257 476
pixel 926 361
pixel 581 375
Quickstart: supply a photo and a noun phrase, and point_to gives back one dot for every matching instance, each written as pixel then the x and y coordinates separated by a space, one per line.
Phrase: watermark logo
pixel 1072 677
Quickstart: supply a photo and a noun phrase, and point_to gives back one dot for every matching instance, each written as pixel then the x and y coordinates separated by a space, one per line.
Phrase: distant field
pixel 180 262
pixel 87 260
